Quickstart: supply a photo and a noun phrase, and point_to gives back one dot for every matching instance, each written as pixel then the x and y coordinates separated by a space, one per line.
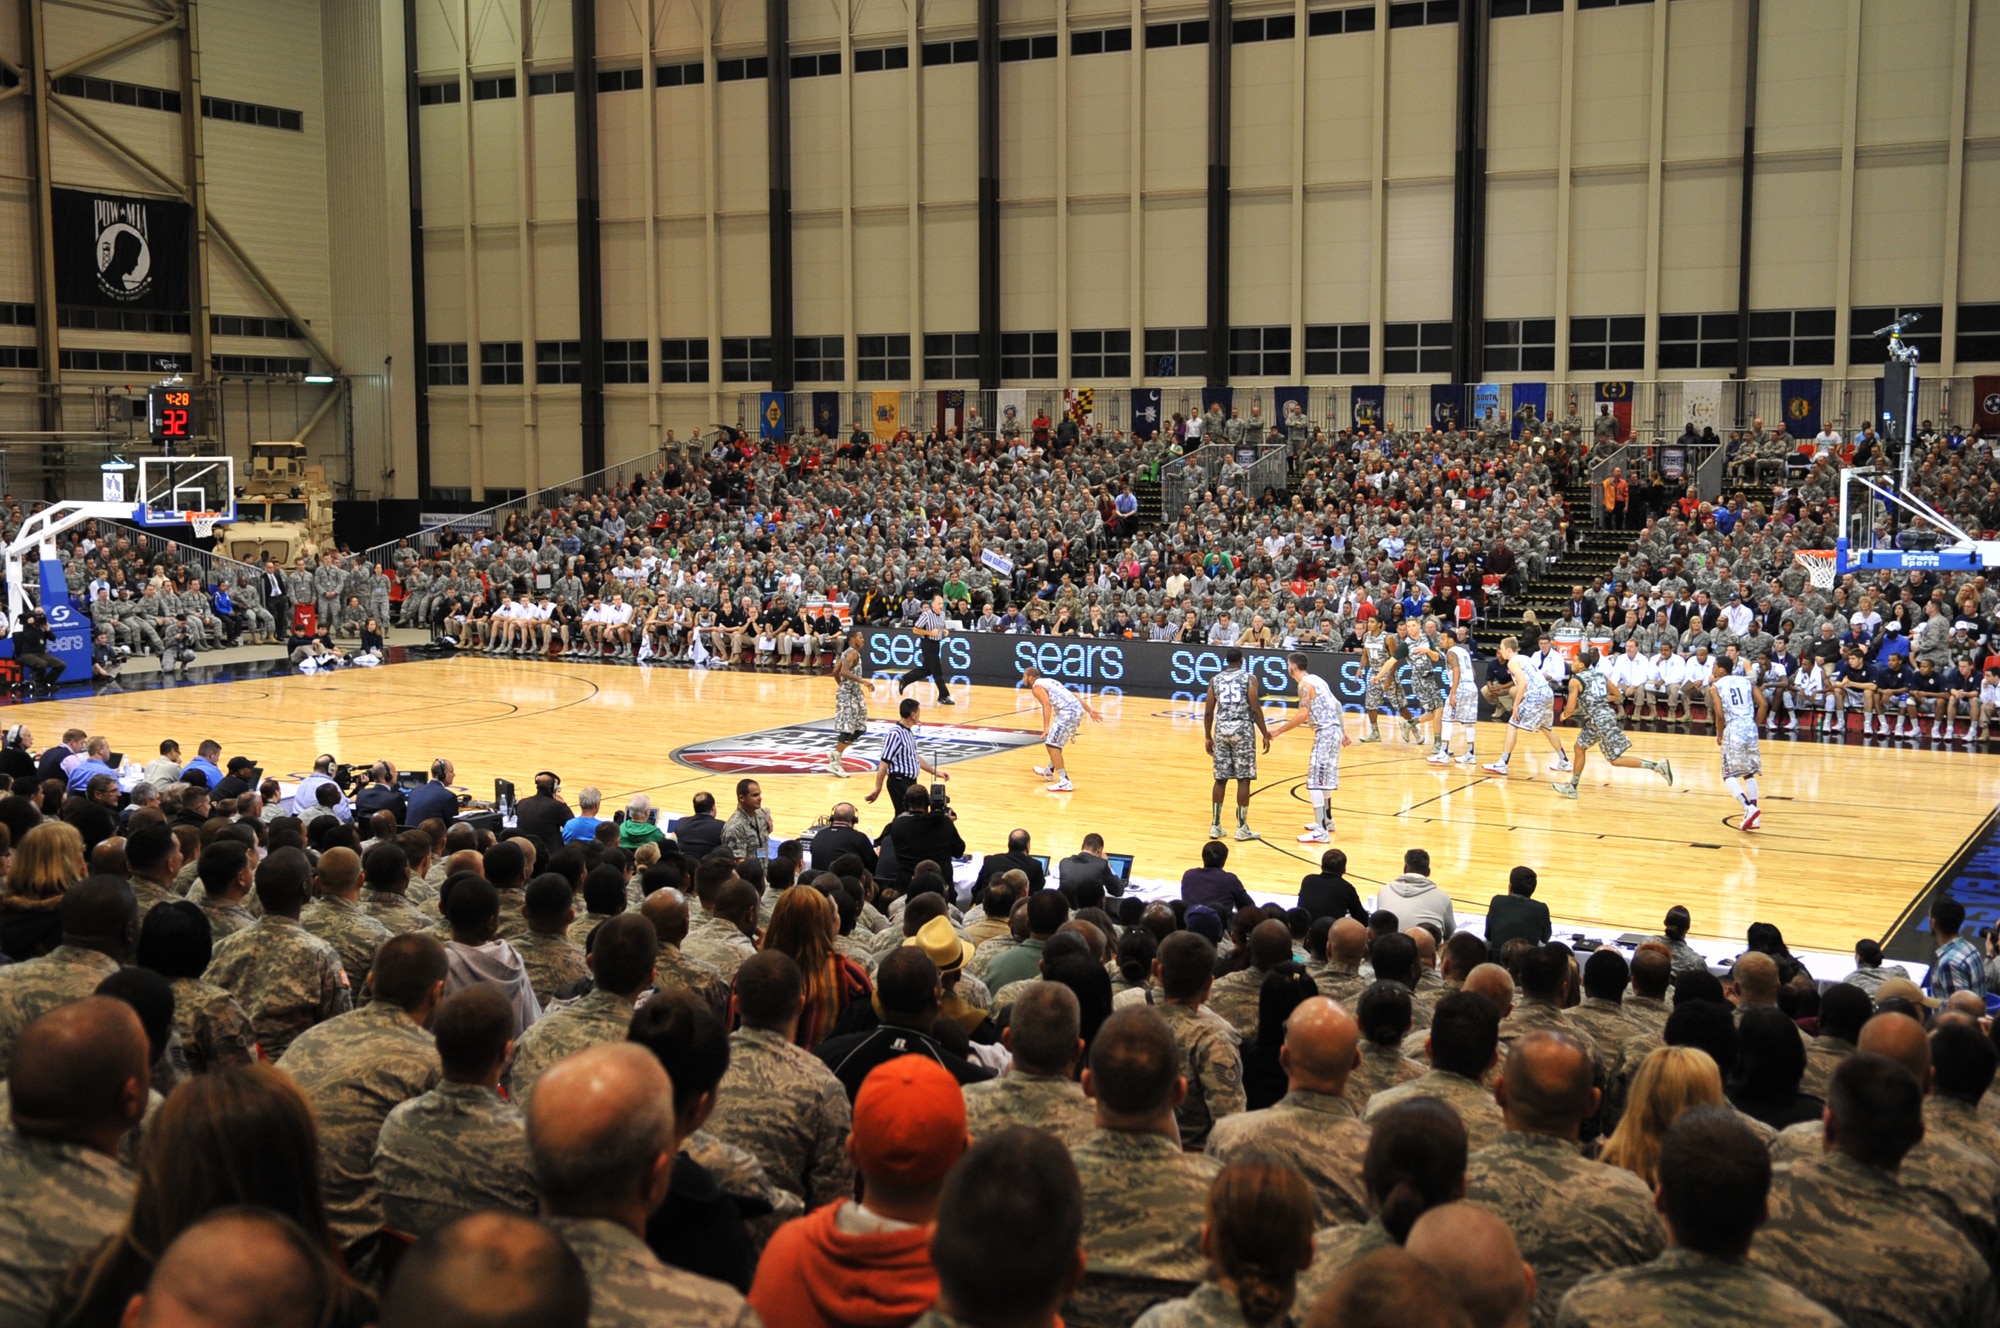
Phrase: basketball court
pixel 1852 835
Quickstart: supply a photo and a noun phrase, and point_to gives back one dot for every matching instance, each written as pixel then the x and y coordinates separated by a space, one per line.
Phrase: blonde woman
pixel 1672 1080
pixel 47 862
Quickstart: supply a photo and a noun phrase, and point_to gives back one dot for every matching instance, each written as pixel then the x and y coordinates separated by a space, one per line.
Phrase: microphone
pixel 1905 321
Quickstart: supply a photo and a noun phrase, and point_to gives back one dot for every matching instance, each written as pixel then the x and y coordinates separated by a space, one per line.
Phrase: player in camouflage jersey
pixel 1426 696
pixel 1715 1178
pixel 1385 690
pixel 461 1146
pixel 1229 712
pixel 1593 700
pixel 850 705
pixel 1319 707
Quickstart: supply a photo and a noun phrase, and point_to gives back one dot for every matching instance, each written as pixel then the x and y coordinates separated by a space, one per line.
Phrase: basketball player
pixel 1318 707
pixel 850 705
pixel 1593 702
pixel 1228 713
pixel 1062 715
pixel 1738 708
pixel 1378 657
pixel 1534 708
pixel 1425 697
pixel 1461 703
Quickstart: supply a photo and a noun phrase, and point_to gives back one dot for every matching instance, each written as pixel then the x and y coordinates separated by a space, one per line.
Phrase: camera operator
pixel 926 832
pixel 31 640
pixel 381 793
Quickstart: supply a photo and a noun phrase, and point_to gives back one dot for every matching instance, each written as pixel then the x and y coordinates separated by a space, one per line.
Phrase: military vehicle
pixel 283 508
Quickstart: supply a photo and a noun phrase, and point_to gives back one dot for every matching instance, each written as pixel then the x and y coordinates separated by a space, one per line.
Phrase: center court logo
pixel 802 749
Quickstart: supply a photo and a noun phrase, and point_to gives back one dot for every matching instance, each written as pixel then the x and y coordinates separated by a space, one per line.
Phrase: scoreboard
pixel 174 414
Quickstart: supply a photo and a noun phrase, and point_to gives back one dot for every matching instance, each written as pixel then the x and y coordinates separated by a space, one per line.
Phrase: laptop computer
pixel 1042 860
pixel 1121 866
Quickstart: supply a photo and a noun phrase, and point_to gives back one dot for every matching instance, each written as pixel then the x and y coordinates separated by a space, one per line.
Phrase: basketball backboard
pixel 181 491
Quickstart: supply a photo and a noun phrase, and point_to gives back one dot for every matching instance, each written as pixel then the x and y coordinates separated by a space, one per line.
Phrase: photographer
pixel 926 832
pixel 31 640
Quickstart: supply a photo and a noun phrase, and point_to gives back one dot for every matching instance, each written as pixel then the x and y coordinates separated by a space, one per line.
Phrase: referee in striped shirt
pixel 901 761
pixel 931 626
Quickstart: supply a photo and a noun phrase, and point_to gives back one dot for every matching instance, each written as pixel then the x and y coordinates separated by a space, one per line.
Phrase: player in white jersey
pixel 1534 708
pixel 1738 708
pixel 1062 715
pixel 1461 705
pixel 1319 707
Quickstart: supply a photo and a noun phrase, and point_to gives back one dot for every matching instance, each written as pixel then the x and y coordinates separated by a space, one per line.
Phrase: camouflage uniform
pixel 457 1149
pixel 983 957
pixel 1533 1016
pixel 738 1173
pixel 551 962
pixel 600 1017
pixel 355 936
pixel 1961 1121
pixel 58 1202
pixel 1572 1216
pixel 354 1070
pixel 675 971
pixel 214 1031
pixel 746 836
pixel 394 911
pixel 1213 1068
pixel 1049 1103
pixel 1317 1133
pixel 1380 1067
pixel 1235 996
pixel 285 978
pixel 1335 1250
pixel 579 931
pixel 719 944
pixel 1961 1186
pixel 1646 1014
pixel 1823 1057
pixel 1472 1100
pixel 1337 984
pixel 151 894
pixel 1685 1289
pixel 1209 1307
pixel 631 1288
pixel 783 1106
pixel 32 988
pixel 226 917
pixel 1144 1201
pixel 1870 1249
pixel 1605 1022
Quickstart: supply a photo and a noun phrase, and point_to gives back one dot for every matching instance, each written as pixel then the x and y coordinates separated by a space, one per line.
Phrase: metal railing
pixel 494 518
pixel 1185 477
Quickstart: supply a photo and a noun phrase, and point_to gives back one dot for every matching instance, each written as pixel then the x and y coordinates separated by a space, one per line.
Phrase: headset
pixel 440 769
pixel 555 781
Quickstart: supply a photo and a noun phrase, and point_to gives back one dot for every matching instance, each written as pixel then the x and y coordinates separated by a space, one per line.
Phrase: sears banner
pixel 122 253
pixel 1091 666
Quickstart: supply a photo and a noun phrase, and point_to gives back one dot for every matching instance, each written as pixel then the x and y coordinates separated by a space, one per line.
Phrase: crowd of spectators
pixel 276 1059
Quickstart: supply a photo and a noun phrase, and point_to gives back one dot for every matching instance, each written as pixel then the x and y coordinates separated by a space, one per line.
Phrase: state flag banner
pixel 1801 406
pixel 1531 407
pixel 826 414
pixel 771 415
pixel 1365 405
pixel 1986 402
pixel 1614 409
pixel 887 415
pixel 1290 404
pixel 1145 412
pixel 951 411
pixel 1447 405
pixel 1080 404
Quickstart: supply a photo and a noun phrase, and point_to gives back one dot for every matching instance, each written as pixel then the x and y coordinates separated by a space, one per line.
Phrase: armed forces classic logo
pixel 802 749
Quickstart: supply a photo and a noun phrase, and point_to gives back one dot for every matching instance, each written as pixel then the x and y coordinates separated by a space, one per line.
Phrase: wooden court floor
pixel 1850 834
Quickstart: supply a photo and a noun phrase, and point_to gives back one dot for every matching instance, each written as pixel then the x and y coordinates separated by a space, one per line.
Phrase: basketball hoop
pixel 1819 565
pixel 204 523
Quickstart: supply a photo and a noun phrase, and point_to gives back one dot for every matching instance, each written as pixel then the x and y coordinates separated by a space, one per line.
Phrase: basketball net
pixel 1819 565
pixel 204 523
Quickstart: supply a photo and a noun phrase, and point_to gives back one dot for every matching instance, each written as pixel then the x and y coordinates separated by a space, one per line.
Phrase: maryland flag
pixel 888 415
pixel 1078 403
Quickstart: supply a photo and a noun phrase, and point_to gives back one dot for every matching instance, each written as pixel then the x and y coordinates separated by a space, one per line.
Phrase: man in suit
pixel 380 794
pixel 435 797
pixel 1706 611
pixel 1014 859
pixel 276 597
pixel 838 837
pixel 700 834
pixel 544 815
pixel 1089 865
pixel 1581 605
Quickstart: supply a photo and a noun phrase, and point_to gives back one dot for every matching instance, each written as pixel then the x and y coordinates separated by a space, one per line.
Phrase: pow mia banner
pixel 119 252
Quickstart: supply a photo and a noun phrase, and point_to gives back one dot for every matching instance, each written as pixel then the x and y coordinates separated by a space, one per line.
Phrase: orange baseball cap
pixel 909 1122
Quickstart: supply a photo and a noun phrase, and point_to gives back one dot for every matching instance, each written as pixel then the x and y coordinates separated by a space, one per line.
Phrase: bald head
pixel 80 1073
pixel 1902 1040
pixel 1546 1086
pixel 1755 979
pixel 1495 983
pixel 667 910
pixel 1270 944
pixel 601 1132
pixel 1347 943
pixel 237 1268
pixel 489 1270
pixel 1321 1044
pixel 1475 1255
pixel 1966 1003
pixel 1427 948
pixel 339 873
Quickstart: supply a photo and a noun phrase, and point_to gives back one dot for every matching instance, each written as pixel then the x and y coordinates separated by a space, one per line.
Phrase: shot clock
pixel 174 415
